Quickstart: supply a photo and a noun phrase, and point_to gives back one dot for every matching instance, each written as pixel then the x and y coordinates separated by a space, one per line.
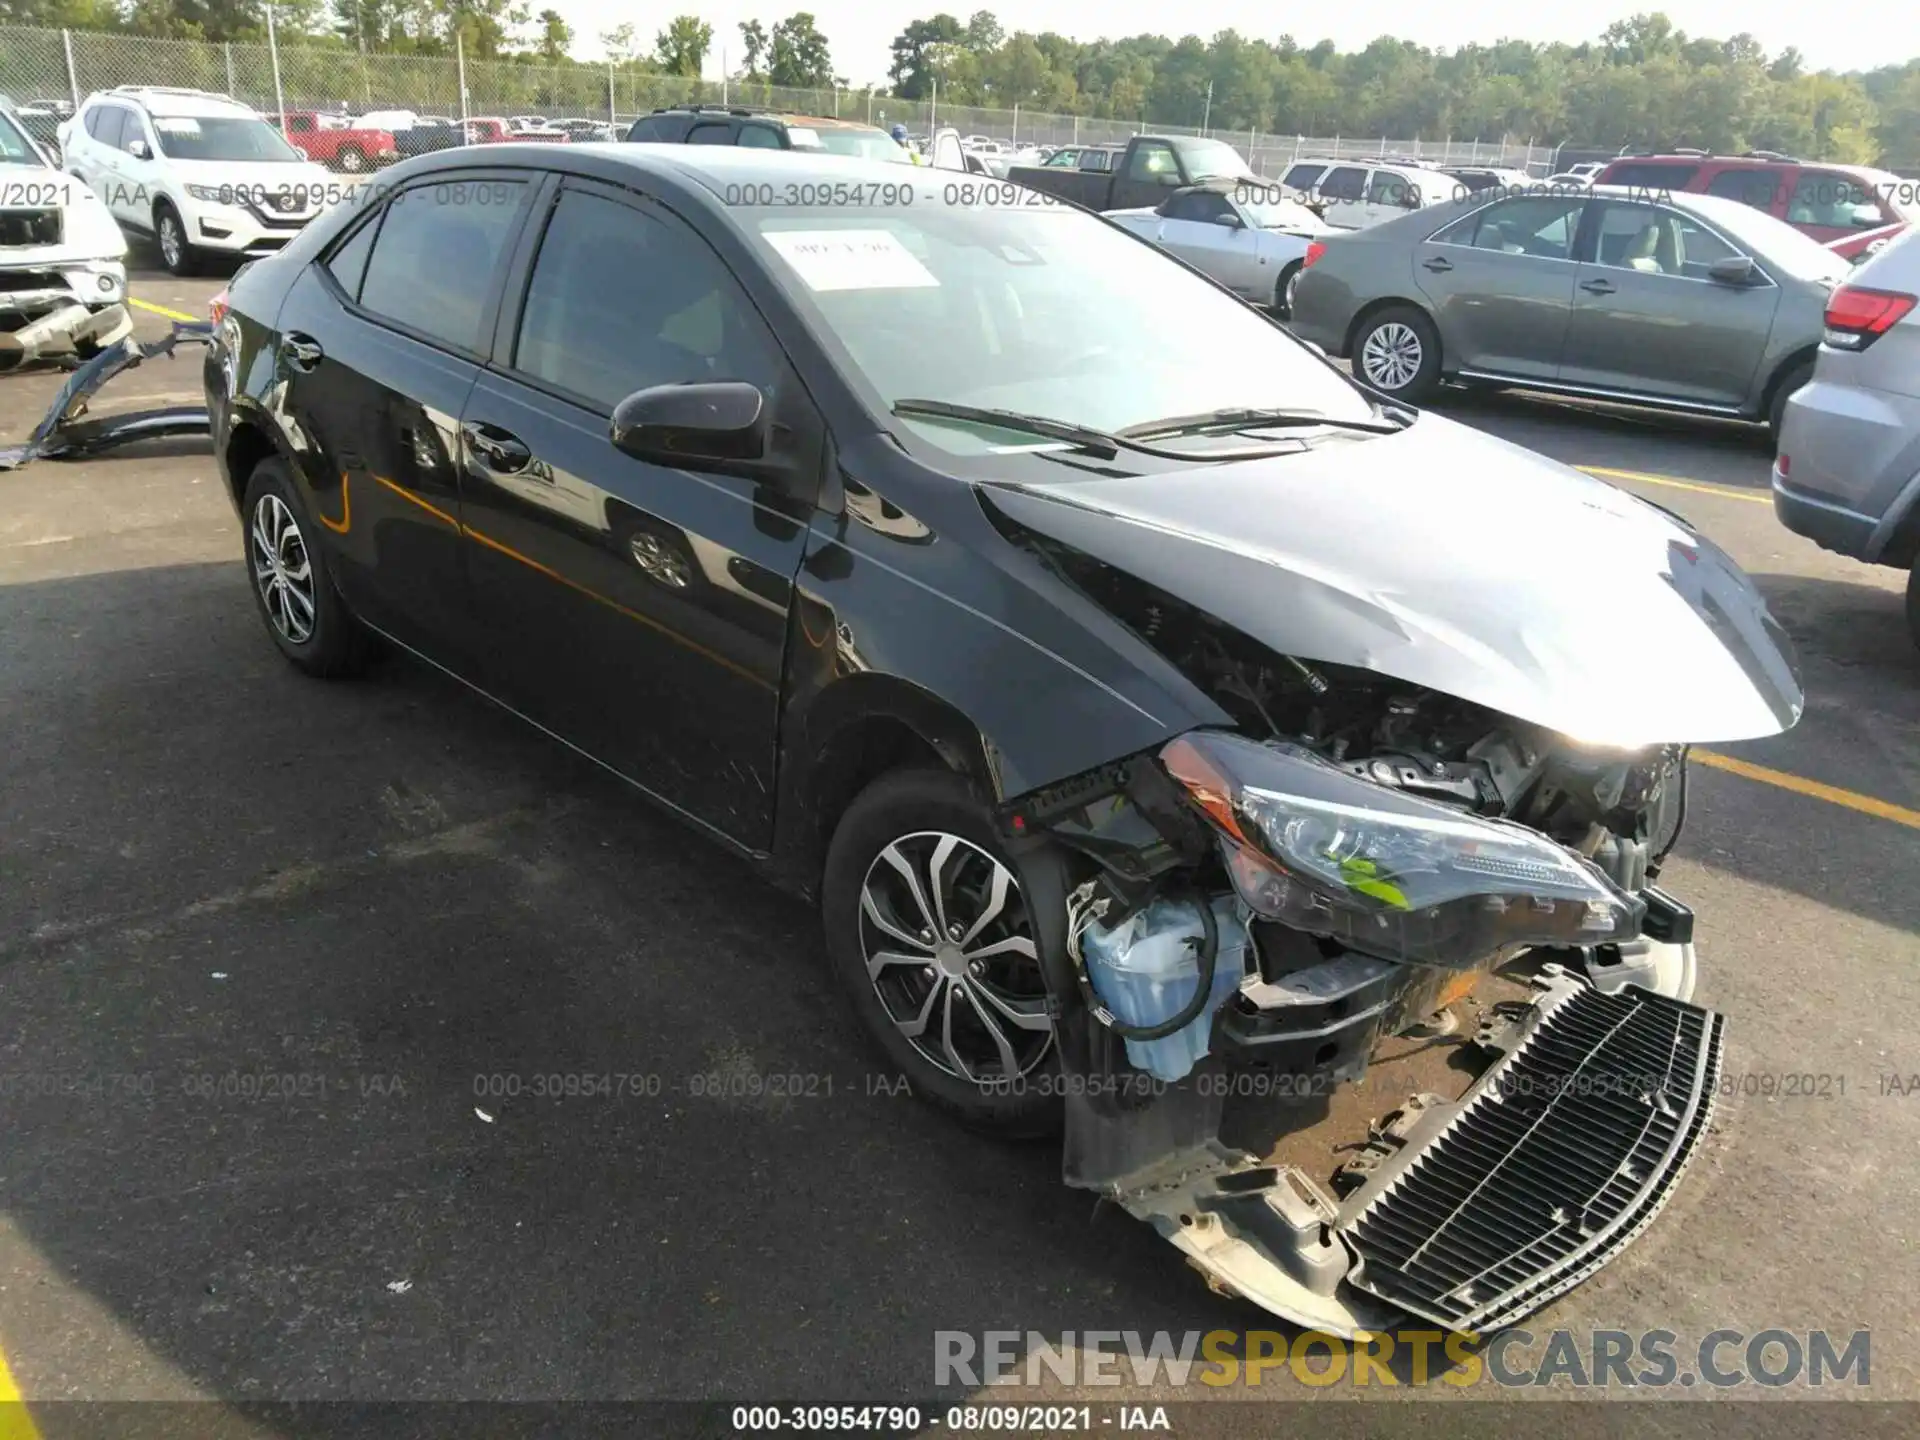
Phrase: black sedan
pixel 1114 673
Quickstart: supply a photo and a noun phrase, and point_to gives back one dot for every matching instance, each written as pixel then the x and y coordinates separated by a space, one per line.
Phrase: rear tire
pixel 292 585
pixel 1397 352
pixel 927 1010
pixel 1283 291
pixel 1913 603
pixel 351 160
pixel 1790 382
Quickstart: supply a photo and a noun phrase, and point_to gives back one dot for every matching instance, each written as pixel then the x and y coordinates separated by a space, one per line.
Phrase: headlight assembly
pixel 1326 852
pixel 211 194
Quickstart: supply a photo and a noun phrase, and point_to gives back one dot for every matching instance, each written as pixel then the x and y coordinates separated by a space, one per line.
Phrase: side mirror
pixel 708 425
pixel 139 150
pixel 1734 270
pixel 1864 217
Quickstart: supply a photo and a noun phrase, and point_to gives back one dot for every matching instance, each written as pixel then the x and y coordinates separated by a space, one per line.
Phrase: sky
pixel 861 32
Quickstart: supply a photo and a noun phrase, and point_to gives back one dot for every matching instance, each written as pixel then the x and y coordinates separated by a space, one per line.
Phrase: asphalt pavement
pixel 284 964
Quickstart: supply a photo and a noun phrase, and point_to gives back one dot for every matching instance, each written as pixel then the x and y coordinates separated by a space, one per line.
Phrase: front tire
pixel 1397 352
pixel 929 932
pixel 351 160
pixel 170 234
pixel 292 585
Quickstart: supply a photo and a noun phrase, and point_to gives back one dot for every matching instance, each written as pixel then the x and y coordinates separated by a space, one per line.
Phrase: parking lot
pixel 277 956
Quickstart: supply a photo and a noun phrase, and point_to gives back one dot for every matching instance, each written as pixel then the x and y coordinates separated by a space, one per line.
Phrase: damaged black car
pixel 1261 783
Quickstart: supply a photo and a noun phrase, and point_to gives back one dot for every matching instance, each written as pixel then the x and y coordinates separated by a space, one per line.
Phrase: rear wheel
pixel 1790 382
pixel 351 160
pixel 929 931
pixel 1913 602
pixel 292 586
pixel 1283 291
pixel 1397 352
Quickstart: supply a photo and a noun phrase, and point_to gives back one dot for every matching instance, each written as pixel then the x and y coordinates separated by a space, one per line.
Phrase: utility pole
pixel 273 49
pixel 1206 115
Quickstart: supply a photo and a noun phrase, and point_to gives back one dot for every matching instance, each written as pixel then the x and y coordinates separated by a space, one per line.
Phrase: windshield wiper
pixel 1249 418
pixel 1095 442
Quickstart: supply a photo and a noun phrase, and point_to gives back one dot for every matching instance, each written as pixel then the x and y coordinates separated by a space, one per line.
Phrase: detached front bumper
pixel 1467 1213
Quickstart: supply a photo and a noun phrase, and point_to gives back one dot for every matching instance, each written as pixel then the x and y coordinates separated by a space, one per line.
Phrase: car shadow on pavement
pixel 392 1051
pixel 1632 438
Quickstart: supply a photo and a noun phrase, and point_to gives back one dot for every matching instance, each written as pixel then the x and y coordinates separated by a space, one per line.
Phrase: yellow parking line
pixel 16 1422
pixel 1725 492
pixel 161 310
pixel 1832 794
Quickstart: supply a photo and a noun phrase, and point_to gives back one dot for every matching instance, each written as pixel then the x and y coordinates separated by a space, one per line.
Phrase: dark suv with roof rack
pixel 1854 210
pixel 766 130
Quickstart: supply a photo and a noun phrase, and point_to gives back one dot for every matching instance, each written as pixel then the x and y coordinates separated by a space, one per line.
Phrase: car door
pixel 1344 188
pixel 1390 195
pixel 1200 226
pixel 95 159
pixel 380 342
pixel 1151 171
pixel 1648 319
pixel 638 610
pixel 1500 283
pixel 141 165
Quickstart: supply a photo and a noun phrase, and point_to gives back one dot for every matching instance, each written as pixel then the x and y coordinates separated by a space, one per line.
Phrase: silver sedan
pixel 1250 237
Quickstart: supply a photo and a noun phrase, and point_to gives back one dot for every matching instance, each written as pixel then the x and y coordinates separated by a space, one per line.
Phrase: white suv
pixel 196 171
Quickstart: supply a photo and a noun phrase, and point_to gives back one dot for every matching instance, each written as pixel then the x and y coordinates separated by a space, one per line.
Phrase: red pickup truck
pixel 334 142
pixel 492 130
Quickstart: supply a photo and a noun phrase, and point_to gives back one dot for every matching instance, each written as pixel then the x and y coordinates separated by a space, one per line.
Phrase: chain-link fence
pixel 68 65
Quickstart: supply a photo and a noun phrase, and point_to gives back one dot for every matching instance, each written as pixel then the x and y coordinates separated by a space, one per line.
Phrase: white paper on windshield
pixel 850 259
pixel 803 139
pixel 176 124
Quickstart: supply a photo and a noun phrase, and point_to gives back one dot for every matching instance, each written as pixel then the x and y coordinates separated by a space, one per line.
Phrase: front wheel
pixel 176 251
pixel 1397 352
pixel 351 160
pixel 929 931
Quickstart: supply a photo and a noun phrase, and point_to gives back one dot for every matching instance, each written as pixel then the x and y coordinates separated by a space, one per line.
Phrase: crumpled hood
pixel 1458 562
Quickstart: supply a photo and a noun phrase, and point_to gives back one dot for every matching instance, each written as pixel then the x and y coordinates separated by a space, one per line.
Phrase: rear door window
pixel 1344 182
pixel 1758 188
pixel 104 123
pixel 1651 175
pixel 711 132
pixel 1539 225
pixel 760 137
pixel 434 259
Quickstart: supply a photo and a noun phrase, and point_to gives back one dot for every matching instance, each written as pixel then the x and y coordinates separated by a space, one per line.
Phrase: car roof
pixel 183 103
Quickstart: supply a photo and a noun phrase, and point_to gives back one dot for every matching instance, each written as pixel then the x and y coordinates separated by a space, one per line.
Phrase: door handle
pixel 303 352
pixel 1597 287
pixel 1439 264
pixel 498 450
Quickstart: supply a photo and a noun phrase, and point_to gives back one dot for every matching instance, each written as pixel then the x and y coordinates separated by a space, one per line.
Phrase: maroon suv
pixel 1851 209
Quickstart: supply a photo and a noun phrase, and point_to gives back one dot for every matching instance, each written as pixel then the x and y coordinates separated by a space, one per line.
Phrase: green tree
pixel 910 72
pixel 797 54
pixel 753 38
pixel 681 48
pixel 556 36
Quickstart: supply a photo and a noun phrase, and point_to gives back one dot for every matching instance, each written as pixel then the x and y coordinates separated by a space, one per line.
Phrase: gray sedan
pixel 1249 236
pixel 1686 302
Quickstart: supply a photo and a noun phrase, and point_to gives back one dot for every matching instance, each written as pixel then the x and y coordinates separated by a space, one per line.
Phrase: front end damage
pixel 1451 1067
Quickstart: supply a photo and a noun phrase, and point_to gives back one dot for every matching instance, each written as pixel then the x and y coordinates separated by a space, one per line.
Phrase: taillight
pixel 217 308
pixel 1314 251
pixel 1856 316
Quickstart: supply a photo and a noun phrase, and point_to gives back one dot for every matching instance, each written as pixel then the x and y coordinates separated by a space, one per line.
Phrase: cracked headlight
pixel 1323 851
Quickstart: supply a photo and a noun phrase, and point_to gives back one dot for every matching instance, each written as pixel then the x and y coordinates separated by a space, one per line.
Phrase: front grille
pixel 14 281
pixel 1565 1152
pixel 30 227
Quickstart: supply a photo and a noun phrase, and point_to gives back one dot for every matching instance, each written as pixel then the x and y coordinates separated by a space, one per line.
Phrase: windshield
pixel 220 137
pixel 15 148
pixel 865 144
pixel 1035 307
pixel 1270 210
pixel 1207 158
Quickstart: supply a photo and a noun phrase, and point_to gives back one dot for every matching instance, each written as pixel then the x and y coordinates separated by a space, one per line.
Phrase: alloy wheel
pixel 949 949
pixel 1391 356
pixel 282 569
pixel 661 562
pixel 173 244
